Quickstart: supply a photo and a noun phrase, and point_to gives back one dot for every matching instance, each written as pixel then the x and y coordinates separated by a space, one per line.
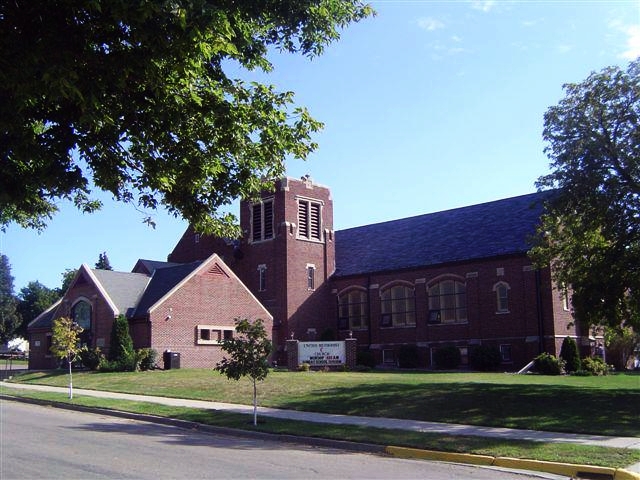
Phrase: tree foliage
pixel 35 298
pixel 570 354
pixel 621 344
pixel 249 351
pixel 65 343
pixel 103 262
pixel 67 277
pixel 121 352
pixel 9 317
pixel 134 98
pixel 590 234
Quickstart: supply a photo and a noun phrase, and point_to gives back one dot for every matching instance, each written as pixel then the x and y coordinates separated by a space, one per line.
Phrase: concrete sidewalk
pixel 410 425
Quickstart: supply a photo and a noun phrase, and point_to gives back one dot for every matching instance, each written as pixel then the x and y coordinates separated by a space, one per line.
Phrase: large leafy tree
pixel 134 97
pixel 591 231
pixel 248 356
pixel 35 298
pixel 9 316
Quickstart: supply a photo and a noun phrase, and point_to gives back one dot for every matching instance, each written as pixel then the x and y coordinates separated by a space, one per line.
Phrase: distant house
pixel 458 278
pixel 184 308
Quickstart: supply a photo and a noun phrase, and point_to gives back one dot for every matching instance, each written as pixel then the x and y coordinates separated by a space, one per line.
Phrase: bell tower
pixel 290 249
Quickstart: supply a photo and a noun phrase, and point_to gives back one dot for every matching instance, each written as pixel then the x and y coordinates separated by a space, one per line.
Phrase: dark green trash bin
pixel 171 360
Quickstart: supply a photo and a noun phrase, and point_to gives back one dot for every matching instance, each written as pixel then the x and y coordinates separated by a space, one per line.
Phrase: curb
pixel 569 469
pixel 558 468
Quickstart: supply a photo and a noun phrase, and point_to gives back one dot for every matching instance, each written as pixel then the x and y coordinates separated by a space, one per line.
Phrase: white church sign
pixel 319 354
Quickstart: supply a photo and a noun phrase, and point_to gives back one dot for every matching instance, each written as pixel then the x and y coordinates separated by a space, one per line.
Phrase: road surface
pixel 49 443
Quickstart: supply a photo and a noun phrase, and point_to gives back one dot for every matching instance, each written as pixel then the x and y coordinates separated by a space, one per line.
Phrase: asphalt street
pixel 50 443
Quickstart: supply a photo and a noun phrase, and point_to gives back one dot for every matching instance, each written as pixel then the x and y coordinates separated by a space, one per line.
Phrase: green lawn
pixel 562 452
pixel 598 405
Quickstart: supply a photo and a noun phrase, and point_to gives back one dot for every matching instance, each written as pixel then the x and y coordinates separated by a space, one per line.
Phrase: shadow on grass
pixel 536 407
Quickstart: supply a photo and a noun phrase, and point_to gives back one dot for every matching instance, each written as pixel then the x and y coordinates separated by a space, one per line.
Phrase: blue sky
pixel 428 106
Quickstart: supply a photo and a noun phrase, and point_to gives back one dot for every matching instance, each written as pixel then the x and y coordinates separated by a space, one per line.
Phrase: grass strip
pixel 589 405
pixel 556 452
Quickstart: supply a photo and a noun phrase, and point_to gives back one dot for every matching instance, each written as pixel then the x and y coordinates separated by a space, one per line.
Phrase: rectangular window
pixel 262 220
pixel 352 310
pixel 309 220
pixel 464 356
pixel 311 277
pixel 262 278
pixel 213 334
pixel 505 353
pixel 398 306
pixel 447 302
pixel 565 298
pixel 388 356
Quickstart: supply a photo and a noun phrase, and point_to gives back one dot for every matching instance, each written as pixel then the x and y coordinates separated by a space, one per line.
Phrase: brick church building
pixel 458 278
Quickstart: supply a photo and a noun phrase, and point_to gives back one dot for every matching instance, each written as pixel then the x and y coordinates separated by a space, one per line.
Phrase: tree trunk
pixel 70 378
pixel 255 404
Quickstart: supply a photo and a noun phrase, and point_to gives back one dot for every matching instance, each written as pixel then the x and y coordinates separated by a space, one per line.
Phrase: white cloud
pixel 483 5
pixel 430 24
pixel 633 42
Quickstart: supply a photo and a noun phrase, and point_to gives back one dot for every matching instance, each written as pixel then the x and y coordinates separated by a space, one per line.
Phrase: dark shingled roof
pixel 124 288
pixel 149 266
pixel 45 319
pixel 502 227
pixel 162 281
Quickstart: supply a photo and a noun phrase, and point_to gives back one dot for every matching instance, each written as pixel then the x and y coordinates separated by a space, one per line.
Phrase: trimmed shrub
pixel 485 358
pixel 366 359
pixel 121 353
pixel 408 357
pixel 547 364
pixel 569 353
pixel 91 358
pixel 595 366
pixel 447 358
pixel 146 359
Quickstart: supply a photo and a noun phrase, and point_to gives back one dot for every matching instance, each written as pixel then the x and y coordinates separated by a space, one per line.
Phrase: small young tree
pixel 569 353
pixel 248 351
pixel 121 352
pixel 65 343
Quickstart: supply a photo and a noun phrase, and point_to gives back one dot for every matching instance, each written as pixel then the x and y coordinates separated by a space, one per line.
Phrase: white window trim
pixel 308 237
pixel 313 280
pixel 221 328
pixel 262 202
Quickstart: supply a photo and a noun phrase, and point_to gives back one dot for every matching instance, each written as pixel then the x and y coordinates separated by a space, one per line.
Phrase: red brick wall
pixel 519 327
pixel 102 316
pixel 294 308
pixel 206 299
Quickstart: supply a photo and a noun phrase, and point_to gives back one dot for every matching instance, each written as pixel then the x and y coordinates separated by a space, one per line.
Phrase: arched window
pixel 502 297
pixel 398 306
pixel 81 314
pixel 448 302
pixel 352 310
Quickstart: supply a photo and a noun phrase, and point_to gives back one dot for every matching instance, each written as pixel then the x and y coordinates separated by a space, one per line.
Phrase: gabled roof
pixel 149 266
pixel 124 289
pixel 502 227
pixel 162 281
